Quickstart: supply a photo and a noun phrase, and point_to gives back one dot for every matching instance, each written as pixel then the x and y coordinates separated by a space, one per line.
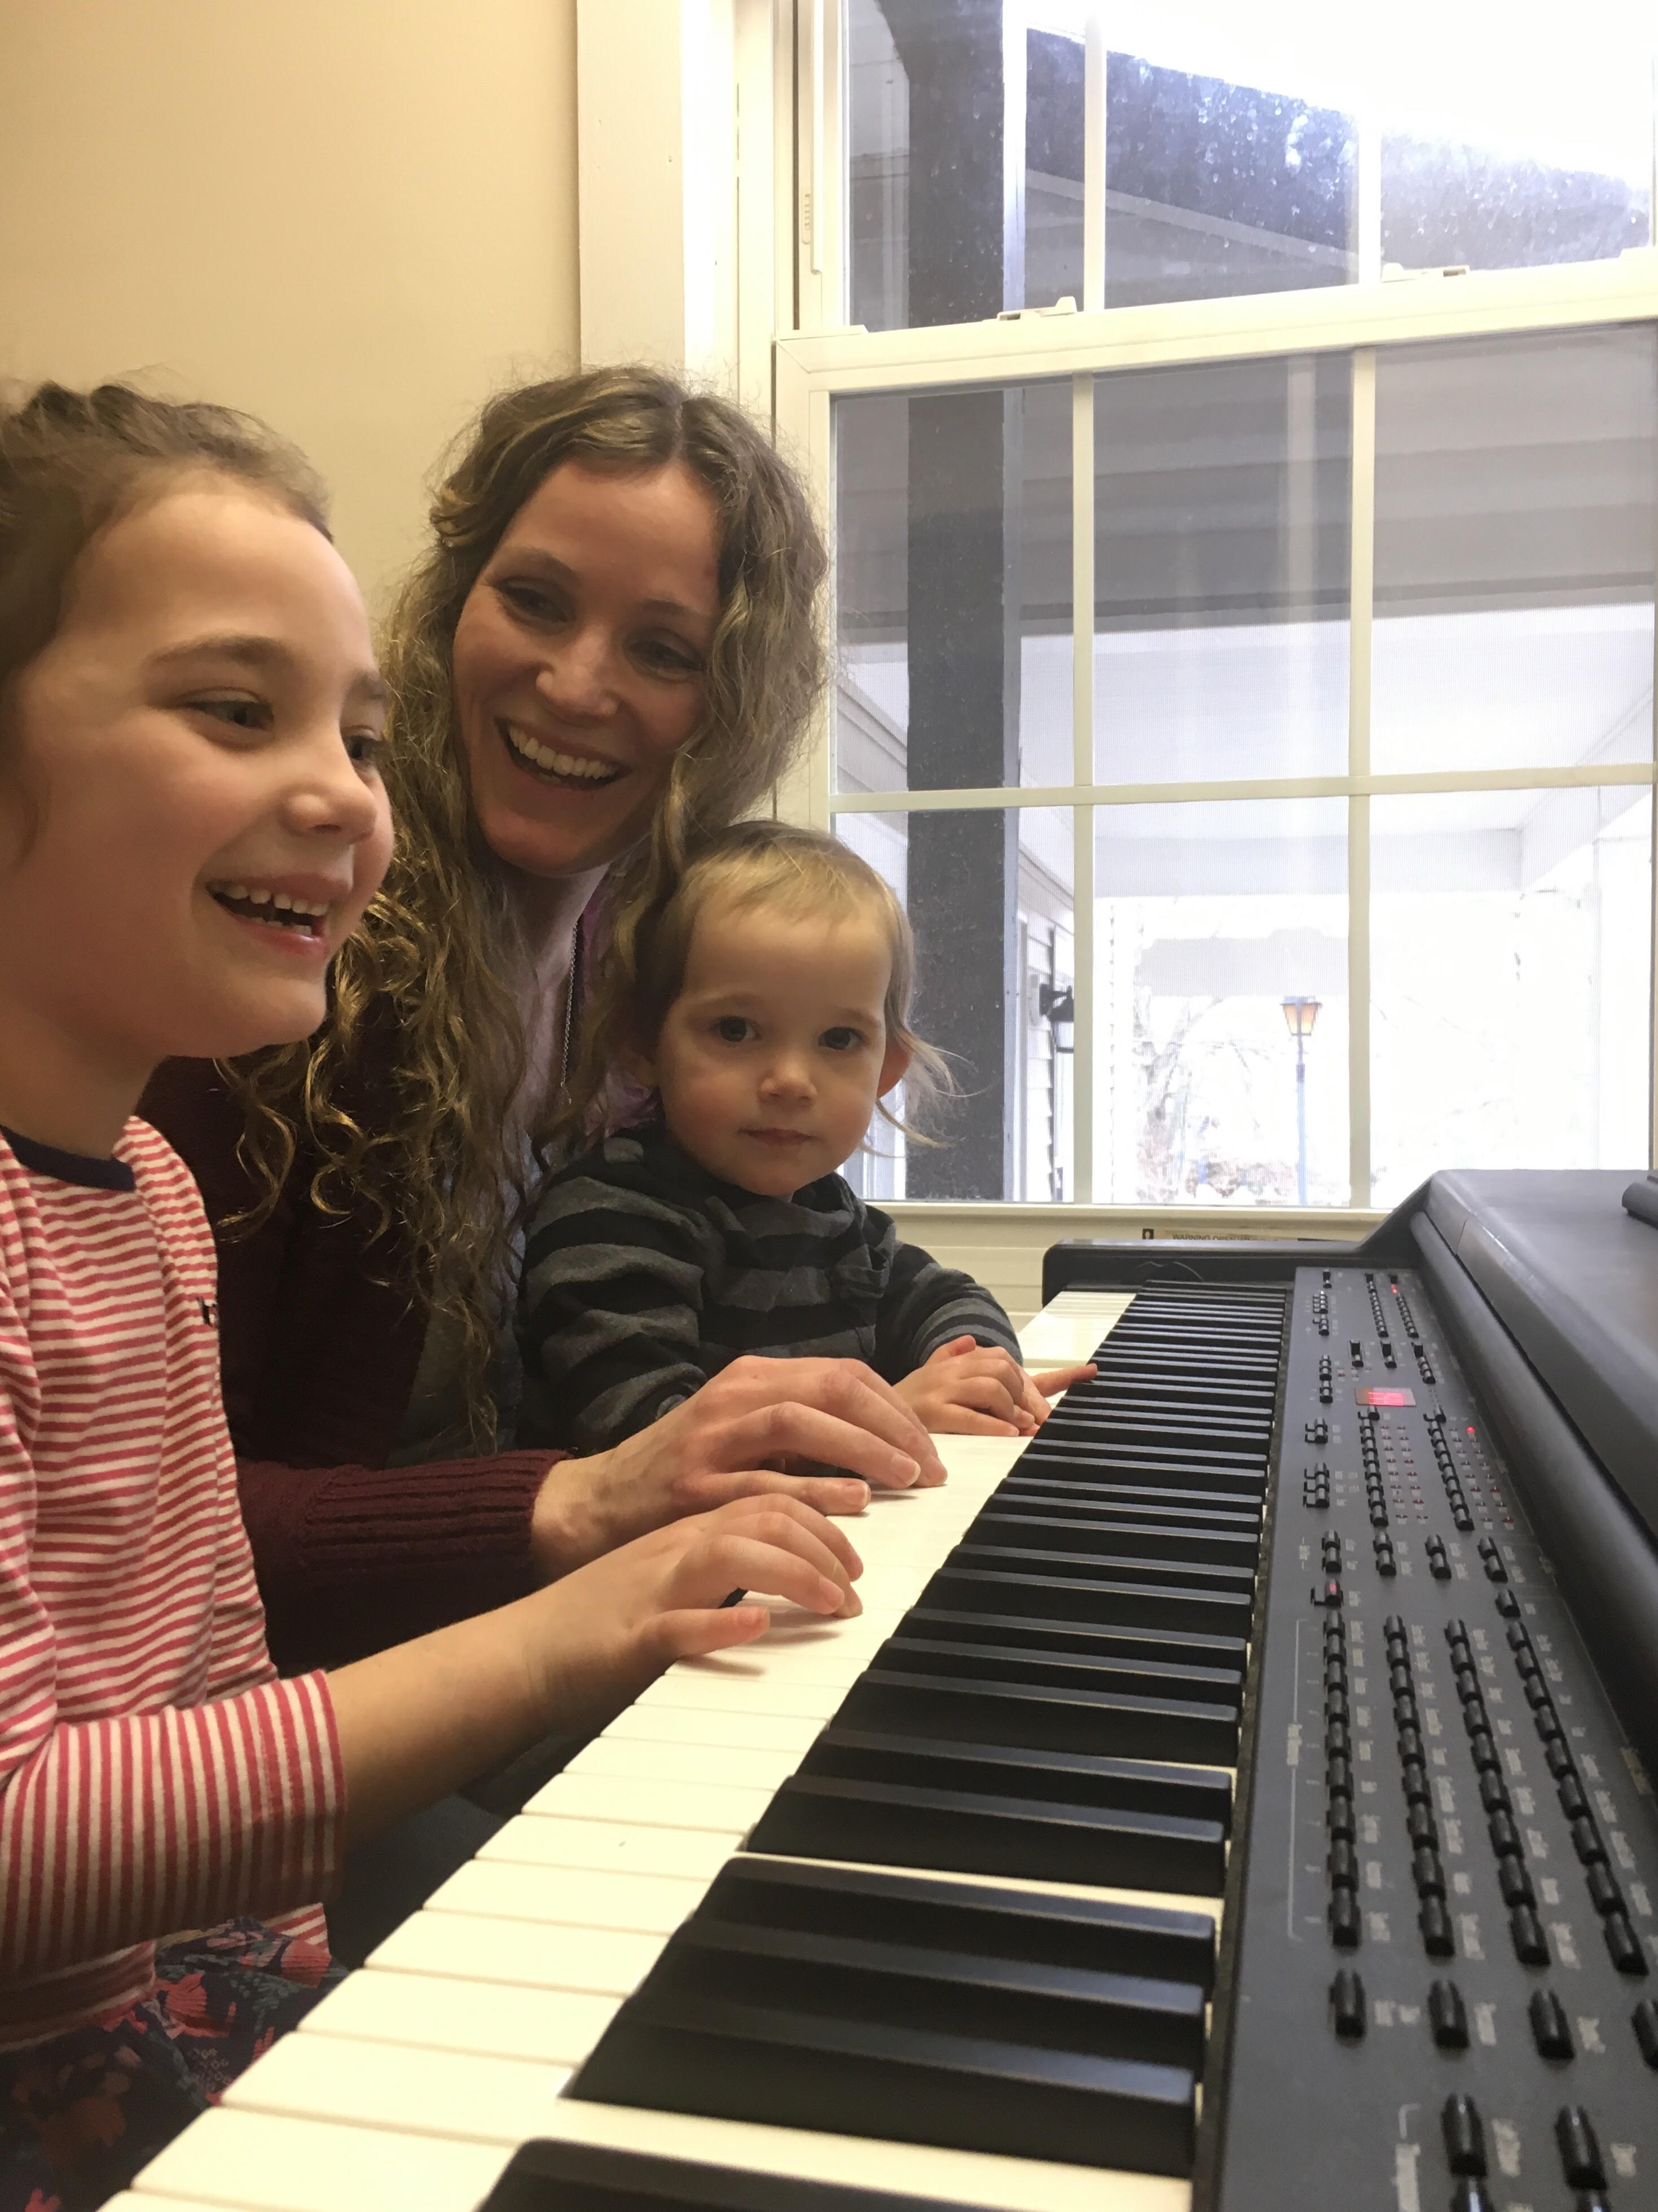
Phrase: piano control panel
pixel 1445 1989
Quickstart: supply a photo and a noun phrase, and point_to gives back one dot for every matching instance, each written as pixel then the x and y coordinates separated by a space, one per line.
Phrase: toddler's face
pixel 773 1055
pixel 199 748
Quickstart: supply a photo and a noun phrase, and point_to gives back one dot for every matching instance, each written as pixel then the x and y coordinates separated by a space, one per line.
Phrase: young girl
pixel 191 822
pixel 766 1003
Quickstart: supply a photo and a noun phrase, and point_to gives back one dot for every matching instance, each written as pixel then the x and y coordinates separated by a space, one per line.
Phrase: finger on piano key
pixel 256 2162
pixel 497 1889
pixel 609 1847
pixel 555 2028
pixel 602 1961
pixel 692 1805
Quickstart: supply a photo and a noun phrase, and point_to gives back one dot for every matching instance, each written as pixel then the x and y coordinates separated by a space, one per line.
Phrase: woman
pixel 610 641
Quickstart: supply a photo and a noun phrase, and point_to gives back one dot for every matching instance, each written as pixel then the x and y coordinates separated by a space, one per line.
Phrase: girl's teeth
pixel 260 898
pixel 283 902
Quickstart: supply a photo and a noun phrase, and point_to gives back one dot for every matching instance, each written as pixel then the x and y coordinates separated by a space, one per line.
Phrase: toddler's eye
pixel 365 748
pixel 841 1039
pixel 731 1029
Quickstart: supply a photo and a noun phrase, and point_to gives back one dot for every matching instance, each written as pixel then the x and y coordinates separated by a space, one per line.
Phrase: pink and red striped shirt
pixel 154 1775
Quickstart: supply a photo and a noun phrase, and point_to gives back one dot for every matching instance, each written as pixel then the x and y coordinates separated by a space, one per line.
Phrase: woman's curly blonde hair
pixel 446 1158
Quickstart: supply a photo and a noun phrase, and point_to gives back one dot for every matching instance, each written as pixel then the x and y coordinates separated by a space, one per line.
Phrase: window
pixel 1248 683
pixel 1224 150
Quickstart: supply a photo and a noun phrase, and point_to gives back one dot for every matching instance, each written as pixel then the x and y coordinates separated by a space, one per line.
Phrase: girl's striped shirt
pixel 154 1775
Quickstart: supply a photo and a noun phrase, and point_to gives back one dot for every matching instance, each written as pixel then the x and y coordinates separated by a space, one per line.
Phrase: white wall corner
pixel 656 91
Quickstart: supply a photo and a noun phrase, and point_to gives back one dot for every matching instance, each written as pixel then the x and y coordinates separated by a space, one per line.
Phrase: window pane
pixel 1208 918
pixel 1516 532
pixel 953 535
pixel 989 895
pixel 943 230
pixel 1511 959
pixel 1221 570
pixel 1233 140
pixel 1221 175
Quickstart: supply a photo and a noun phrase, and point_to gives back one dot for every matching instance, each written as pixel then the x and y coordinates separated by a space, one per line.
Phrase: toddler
pixel 766 1006
pixel 191 822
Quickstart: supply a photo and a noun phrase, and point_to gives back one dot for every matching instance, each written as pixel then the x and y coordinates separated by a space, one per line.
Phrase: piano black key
pixel 908 1985
pixel 1115 1534
pixel 791 2068
pixel 1144 1675
pixel 1059 1637
pixel 963 1585
pixel 900 1824
pixel 1197 1793
pixel 1148 1567
pixel 1223 1507
pixel 1100 1933
pixel 549 2176
pixel 1028 1715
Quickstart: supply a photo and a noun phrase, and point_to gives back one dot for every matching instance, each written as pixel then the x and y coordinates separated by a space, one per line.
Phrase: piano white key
pixel 736 1682
pixel 606 1847
pixel 673 1763
pixel 555 2027
pixel 643 1723
pixel 460 2098
pixel 959 2177
pixel 501 1889
pixel 604 1962
pixel 378 2085
pixel 128 2201
pixel 692 1805
pixel 259 2163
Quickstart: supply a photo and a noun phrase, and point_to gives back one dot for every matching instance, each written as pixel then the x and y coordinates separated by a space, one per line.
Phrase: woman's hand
pixel 426 1717
pixel 977 1390
pixel 761 1427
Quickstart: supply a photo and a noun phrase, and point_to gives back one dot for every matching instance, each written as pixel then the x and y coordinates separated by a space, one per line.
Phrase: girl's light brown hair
pixel 445 1145
pixel 755 864
pixel 71 463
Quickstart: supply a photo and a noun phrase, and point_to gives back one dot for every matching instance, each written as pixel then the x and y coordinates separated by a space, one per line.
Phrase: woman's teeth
pixel 572 765
pixel 281 907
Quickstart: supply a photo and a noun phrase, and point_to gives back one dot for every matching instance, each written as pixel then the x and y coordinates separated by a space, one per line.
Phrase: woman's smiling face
pixel 579 662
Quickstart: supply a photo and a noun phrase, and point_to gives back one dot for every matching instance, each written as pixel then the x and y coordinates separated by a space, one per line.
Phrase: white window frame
pixel 813 370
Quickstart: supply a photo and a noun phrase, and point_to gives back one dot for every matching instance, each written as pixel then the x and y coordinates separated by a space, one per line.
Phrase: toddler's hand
pixel 604 1632
pixel 977 1390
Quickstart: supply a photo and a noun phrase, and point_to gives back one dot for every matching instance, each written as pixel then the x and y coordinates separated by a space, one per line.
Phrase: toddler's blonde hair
pixel 799 872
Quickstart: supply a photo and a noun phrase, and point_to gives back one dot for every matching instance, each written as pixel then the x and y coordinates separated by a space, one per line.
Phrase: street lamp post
pixel 1299 1015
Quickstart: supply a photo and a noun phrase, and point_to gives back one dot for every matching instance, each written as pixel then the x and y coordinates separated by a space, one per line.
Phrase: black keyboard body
pixel 1370 1529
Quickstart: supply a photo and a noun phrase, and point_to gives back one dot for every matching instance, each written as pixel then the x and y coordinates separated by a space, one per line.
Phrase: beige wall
pixel 355 217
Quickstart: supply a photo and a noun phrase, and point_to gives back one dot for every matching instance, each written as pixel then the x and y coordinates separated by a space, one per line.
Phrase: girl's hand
pixel 606 1631
pixel 760 1427
pixel 428 1717
pixel 978 1390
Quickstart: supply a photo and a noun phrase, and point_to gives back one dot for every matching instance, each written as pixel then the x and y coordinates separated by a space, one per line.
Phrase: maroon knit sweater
pixel 320 1338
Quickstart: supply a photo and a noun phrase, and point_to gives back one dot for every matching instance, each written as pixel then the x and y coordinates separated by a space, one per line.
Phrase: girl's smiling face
pixel 191 815
pixel 579 662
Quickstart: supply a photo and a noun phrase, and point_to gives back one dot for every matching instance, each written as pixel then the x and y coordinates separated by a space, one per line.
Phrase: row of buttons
pixel 1628 1954
pixel 1424 1364
pixel 1512 1878
pixel 1375 1495
pixel 1322 1306
pixel 1315 1485
pixel 1427 1871
pixel 1345 1921
pixel 1465 2145
pixel 1435 1425
pixel 1380 1313
pixel 1325 1381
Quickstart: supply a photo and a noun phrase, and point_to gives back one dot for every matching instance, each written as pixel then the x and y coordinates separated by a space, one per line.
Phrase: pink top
pixel 154 1775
